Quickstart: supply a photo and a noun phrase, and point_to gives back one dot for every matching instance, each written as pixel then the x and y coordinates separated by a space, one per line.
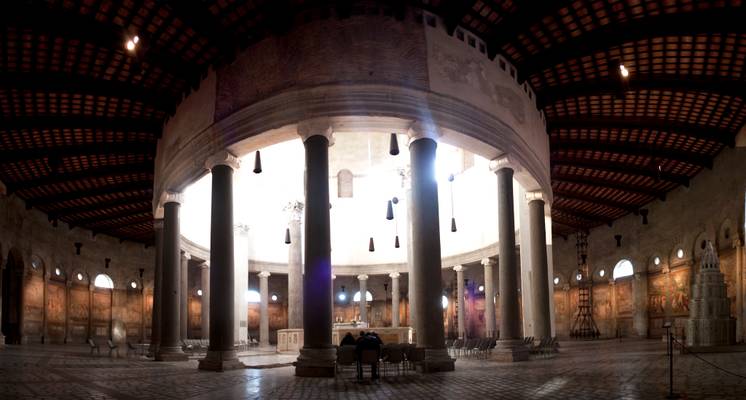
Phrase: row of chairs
pixel 479 347
pixel 131 349
pixel 545 347
pixel 401 356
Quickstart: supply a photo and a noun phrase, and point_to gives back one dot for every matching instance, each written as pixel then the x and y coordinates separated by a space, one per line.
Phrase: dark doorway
pixel 12 298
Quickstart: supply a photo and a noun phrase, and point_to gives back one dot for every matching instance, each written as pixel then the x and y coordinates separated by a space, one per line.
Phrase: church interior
pixel 302 199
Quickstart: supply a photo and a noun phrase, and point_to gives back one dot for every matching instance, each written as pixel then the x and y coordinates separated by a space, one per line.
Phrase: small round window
pixel 556 280
pixel 680 253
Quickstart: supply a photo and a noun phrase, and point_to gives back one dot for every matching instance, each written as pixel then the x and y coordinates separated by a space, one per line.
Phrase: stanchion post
pixel 669 335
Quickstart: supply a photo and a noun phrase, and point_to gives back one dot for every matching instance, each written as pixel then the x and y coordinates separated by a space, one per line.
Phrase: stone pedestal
pixel 709 322
pixel 510 350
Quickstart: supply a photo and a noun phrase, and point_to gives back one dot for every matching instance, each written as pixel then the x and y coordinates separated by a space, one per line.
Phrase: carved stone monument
pixel 709 322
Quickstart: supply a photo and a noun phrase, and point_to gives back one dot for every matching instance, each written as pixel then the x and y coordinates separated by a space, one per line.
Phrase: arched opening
pixel 368 297
pixel 623 268
pixel 103 281
pixel 12 297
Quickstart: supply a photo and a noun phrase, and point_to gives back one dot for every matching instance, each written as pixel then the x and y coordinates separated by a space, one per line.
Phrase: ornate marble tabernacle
pixel 709 322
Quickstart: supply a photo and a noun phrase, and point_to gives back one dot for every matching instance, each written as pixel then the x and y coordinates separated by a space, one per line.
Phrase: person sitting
pixel 348 340
pixel 367 341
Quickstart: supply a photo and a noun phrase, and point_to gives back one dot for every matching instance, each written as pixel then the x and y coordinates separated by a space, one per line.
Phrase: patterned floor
pixel 588 370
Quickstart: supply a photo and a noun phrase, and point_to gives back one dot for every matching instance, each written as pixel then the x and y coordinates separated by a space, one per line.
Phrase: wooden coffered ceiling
pixel 80 115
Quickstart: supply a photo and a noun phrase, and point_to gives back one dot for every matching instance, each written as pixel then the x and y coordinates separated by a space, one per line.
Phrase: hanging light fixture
pixel 396 242
pixel 258 163
pixel 371 245
pixel 389 210
pixel 287 235
pixel 394 145
pixel 453 217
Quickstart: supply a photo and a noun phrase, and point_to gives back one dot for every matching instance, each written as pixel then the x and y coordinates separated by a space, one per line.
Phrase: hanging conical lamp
pixel 396 242
pixel 389 211
pixel 394 145
pixel 371 246
pixel 287 235
pixel 258 163
pixel 453 224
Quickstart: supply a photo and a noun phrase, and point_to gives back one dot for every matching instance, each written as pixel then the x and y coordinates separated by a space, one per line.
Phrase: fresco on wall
pixel 624 298
pixel 680 292
pixel 657 294
pixel 132 312
pixel 602 309
pixel 195 316
pixel 728 268
pixel 33 302
pixel 561 313
pixel 101 313
pixel 56 312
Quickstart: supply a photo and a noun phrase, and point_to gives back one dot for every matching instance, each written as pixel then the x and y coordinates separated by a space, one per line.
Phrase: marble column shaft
pixel 363 279
pixel 264 308
pixel 184 295
pixel 295 275
pixel 394 299
pixel 539 270
pixel 317 355
pixel 221 354
pixel 170 347
pixel 205 326
pixel 489 298
pixel 461 301
pixel 510 324
pixel 155 327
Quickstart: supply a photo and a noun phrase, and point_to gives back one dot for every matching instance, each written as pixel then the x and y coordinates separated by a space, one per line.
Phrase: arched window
pixel 252 296
pixel 344 183
pixel 103 281
pixel 368 297
pixel 623 268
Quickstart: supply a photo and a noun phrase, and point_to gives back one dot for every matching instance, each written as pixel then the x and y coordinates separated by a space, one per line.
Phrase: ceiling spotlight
pixel 132 44
pixel 623 71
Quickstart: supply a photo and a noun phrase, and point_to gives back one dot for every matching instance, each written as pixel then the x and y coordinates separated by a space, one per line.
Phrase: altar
pixel 291 340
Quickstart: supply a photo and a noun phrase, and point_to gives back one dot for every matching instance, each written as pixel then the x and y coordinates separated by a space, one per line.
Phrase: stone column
pixel 460 301
pixel 539 271
pixel 47 275
pixel 184 295
pixel 2 272
pixel 613 308
pixel 489 298
pixel 394 299
pixel 640 292
pixel 739 290
pixel 317 357
pixel 264 308
pixel 91 288
pixel 205 326
pixel 295 268
pixel 155 326
pixel 411 315
pixel 510 346
pixel 221 355
pixel 68 286
pixel 333 278
pixel 363 279
pixel 426 261
pixel 170 347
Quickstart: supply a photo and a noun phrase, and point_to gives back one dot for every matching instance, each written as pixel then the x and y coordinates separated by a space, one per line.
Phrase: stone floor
pixel 587 370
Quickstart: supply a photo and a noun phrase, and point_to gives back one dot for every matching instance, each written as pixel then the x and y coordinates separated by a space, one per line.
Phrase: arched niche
pixel 623 269
pixel 12 297
pixel 726 234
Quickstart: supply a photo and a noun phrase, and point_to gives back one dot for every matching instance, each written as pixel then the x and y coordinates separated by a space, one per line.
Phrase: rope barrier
pixel 696 355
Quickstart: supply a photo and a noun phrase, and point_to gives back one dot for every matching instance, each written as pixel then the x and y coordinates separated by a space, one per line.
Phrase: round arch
pixel 103 281
pixel 624 268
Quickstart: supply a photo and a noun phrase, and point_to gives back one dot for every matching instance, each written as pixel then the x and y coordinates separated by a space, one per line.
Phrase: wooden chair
pixel 112 347
pixel 131 349
pixel 369 357
pixel 94 346
pixel 393 355
pixel 346 357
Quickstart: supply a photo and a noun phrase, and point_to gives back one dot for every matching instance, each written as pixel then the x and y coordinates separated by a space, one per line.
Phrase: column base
pixel 509 350
pixel 220 360
pixel 152 350
pixel 437 360
pixel 316 363
pixel 171 354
